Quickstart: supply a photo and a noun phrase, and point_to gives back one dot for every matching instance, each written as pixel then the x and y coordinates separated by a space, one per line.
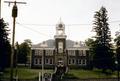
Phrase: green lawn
pixel 82 74
pixel 27 73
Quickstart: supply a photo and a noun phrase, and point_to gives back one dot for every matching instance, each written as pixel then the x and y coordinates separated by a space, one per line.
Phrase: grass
pixel 82 74
pixel 27 73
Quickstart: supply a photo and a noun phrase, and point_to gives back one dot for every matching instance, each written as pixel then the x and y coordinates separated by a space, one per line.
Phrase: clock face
pixel 60 25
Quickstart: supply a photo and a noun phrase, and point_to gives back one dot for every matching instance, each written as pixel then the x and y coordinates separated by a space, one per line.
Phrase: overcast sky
pixel 37 19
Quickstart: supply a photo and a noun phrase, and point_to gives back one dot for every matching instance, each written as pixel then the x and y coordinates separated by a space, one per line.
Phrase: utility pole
pixel 14 15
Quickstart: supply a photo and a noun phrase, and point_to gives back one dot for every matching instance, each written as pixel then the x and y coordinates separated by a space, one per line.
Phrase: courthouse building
pixel 60 50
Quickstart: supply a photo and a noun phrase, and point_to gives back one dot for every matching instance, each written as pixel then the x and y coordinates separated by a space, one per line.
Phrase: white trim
pixel 60 36
pixel 38 52
pixel 70 61
pixel 84 53
pixel 48 61
pixel 79 61
pixel 82 62
pixel 37 61
pixel 78 48
pixel 80 52
pixel 71 53
pixel 85 62
pixel 48 52
pixel 43 48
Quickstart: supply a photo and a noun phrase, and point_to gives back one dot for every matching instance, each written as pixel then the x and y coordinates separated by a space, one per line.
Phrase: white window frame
pixel 71 52
pixel 84 62
pixel 84 52
pixel 48 52
pixel 80 52
pixel 79 61
pixel 47 61
pixel 38 52
pixel 50 61
pixel 73 61
pixel 40 61
pixel 70 61
pixel 35 61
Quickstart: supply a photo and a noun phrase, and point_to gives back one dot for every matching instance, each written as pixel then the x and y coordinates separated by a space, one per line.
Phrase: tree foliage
pixel 24 51
pixel 5 48
pixel 103 57
pixel 117 41
pixel 91 45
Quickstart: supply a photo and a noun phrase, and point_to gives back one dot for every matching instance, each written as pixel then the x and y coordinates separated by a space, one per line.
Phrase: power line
pixel 38 24
pixel 67 24
pixel 32 29
pixel 53 24
pixel 114 21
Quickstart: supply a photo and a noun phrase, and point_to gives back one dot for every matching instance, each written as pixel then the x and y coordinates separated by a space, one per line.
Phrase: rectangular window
pixel 79 61
pixel 49 52
pixel 71 52
pixel 72 61
pixel 39 52
pixel 69 61
pixel 46 61
pixel 84 61
pixel 80 52
pixel 84 52
pixel 51 61
pixel 35 61
pixel 36 52
pixel 40 61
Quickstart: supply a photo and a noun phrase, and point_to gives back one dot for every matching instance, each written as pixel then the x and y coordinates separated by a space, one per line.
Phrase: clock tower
pixel 60 45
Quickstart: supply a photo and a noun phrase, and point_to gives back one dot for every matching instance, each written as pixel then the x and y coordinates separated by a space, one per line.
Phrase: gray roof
pixel 51 44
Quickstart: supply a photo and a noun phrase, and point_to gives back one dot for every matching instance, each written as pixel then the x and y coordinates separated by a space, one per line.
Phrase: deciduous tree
pixel 24 52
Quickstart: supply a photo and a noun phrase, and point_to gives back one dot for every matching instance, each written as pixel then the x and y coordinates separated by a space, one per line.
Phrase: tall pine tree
pixel 103 57
pixel 5 48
